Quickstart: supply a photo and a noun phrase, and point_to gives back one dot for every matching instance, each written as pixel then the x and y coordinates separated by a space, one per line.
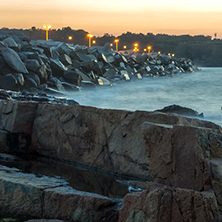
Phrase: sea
pixel 200 90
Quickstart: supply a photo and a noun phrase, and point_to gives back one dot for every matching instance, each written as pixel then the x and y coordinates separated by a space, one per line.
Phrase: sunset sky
pixel 194 17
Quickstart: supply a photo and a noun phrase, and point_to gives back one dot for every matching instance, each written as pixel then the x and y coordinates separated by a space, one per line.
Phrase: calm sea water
pixel 201 91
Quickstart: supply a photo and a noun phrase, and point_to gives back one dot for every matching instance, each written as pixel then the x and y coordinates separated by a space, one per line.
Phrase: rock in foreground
pixel 179 157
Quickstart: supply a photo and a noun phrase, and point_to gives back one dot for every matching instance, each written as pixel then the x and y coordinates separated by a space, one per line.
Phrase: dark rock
pixel 109 73
pixel 57 67
pixel 180 110
pixel 29 83
pixel 65 59
pixel 33 76
pixel 54 83
pixel 20 78
pixel 72 77
pixel 10 42
pixel 13 60
pixel 8 82
pixel 43 74
pixel 88 85
pixel 32 65
pixel 69 87
pixel 47 50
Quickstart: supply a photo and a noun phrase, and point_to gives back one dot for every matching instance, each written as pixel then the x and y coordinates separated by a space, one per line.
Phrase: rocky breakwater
pixel 53 67
pixel 179 158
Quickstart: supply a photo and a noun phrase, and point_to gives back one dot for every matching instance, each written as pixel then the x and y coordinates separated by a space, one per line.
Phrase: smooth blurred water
pixel 201 91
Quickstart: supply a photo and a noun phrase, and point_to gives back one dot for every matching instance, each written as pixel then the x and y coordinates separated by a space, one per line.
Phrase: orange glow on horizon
pixel 98 22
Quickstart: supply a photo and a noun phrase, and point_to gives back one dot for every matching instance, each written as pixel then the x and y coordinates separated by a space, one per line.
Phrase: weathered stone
pixel 10 42
pixel 57 67
pixel 55 84
pixel 179 155
pixel 29 83
pixel 26 195
pixel 13 60
pixel 34 77
pixel 20 78
pixel 72 77
pixel 8 82
pixel 12 116
pixel 180 110
pixel 65 59
pixel 32 65
pixel 168 204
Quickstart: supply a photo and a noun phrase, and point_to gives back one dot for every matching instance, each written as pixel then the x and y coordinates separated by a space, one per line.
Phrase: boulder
pixel 32 65
pixel 180 110
pixel 22 195
pixel 33 76
pixel 10 42
pixel 65 59
pixel 13 60
pixel 72 77
pixel 179 155
pixel 57 67
pixel 54 83
pixel 8 82
pixel 167 204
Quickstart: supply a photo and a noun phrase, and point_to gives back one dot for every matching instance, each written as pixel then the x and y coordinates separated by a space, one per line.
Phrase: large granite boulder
pixel 28 196
pixel 13 60
pixel 162 203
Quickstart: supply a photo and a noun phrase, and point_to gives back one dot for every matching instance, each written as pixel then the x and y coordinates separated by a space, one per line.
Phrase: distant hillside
pixel 203 50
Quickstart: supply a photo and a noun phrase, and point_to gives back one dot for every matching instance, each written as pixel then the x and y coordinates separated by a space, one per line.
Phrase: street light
pixel 136 45
pixel 90 37
pixel 124 47
pixel 94 42
pixel 47 27
pixel 159 52
pixel 111 44
pixel 149 48
pixel 116 41
pixel 70 37
pixel 144 50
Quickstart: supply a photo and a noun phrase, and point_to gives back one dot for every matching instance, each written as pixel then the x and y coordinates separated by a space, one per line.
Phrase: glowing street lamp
pixel 47 27
pixel 149 48
pixel 111 44
pixel 159 52
pixel 136 45
pixel 173 55
pixel 70 37
pixel 124 47
pixel 94 42
pixel 116 41
pixel 144 50
pixel 169 54
pixel 90 37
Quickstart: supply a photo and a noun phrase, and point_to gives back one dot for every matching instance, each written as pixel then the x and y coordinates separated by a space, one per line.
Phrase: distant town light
pixel 90 37
pixel 70 37
pixel 169 54
pixel 144 50
pixel 149 48
pixel 124 47
pixel 159 52
pixel 136 45
pixel 47 27
pixel 116 41
pixel 94 41
pixel 173 55
pixel 111 44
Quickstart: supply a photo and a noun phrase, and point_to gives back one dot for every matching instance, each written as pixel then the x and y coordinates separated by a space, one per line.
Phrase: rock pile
pixel 50 67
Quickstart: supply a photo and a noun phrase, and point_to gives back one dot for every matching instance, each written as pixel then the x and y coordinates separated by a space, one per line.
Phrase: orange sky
pixel 116 17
